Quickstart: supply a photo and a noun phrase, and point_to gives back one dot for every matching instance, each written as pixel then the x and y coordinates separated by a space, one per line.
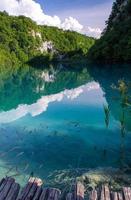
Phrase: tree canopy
pixel 115 43
pixel 21 40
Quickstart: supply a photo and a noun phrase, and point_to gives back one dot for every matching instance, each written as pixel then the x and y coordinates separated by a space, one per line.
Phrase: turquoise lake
pixel 53 119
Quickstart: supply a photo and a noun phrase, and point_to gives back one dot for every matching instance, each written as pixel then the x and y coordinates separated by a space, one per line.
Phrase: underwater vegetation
pixel 107 115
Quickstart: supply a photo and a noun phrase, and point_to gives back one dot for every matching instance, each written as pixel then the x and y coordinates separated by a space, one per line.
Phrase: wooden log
pixel 38 181
pixel 79 191
pixel 32 191
pixel 102 193
pixel 125 192
pixel 69 196
pixel 93 195
pixel 14 191
pixel 53 194
pixel 107 192
pixel 26 189
pixel 129 192
pixel 57 194
pixel 38 193
pixel 2 180
pixel 98 190
pixel 6 188
pixel 24 192
pixel 120 196
pixel 44 194
pixel 114 196
pixel 3 183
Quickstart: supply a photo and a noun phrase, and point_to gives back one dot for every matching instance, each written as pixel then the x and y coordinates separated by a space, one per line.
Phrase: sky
pixel 84 16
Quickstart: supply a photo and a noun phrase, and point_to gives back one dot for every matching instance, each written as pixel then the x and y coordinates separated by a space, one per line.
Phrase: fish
pixel 14 148
pixel 20 154
pixel 40 166
pixel 26 167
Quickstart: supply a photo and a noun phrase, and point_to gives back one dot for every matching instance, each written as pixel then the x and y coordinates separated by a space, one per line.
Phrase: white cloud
pixel 92 16
pixel 72 24
pixel 30 8
pixel 94 32
pixel 42 104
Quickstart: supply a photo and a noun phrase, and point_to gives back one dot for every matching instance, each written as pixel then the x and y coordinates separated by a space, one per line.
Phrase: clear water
pixel 53 119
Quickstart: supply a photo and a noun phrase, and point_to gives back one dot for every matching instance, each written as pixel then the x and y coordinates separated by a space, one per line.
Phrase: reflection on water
pixel 54 119
pixel 42 104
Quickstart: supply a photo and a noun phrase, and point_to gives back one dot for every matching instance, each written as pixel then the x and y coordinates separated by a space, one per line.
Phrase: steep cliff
pixel 115 42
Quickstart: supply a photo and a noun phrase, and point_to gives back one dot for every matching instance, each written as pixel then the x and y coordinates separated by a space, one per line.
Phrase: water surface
pixel 53 119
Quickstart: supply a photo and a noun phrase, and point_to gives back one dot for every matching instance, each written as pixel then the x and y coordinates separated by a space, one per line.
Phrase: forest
pixel 115 42
pixel 23 41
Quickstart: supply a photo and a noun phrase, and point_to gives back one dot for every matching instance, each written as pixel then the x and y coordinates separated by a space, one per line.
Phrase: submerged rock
pixel 91 178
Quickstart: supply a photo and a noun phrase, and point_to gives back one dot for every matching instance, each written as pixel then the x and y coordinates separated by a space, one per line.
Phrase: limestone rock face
pixel 47 46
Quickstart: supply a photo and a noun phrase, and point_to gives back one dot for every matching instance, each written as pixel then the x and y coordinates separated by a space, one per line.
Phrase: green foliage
pixel 107 114
pixel 21 40
pixel 115 43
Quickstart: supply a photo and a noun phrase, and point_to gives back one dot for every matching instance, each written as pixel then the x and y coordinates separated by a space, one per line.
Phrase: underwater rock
pixel 115 177
pixel 91 178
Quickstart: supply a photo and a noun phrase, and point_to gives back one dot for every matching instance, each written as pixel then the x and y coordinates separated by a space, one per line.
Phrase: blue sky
pixel 56 5
pixel 88 12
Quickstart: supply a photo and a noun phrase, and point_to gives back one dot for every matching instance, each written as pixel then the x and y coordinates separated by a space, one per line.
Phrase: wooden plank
pixel 93 195
pixel 6 188
pixel 32 191
pixel 102 193
pixel 69 196
pixel 24 192
pixel 79 191
pixel 129 192
pixel 44 194
pixel 3 183
pixel 114 196
pixel 50 194
pixel 120 196
pixel 125 192
pixel 98 190
pixel 38 193
pixel 14 191
pixel 107 192
pixel 53 194
pixel 38 181
pixel 57 194
pixel 26 189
